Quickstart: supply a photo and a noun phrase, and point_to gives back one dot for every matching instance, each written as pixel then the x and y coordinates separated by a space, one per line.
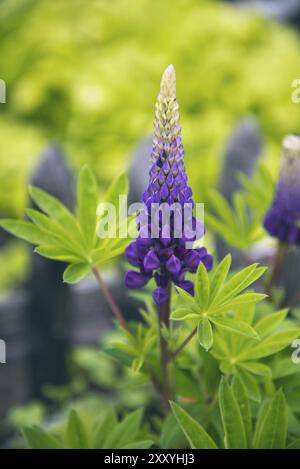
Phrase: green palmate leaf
pixel 231 324
pixel 263 409
pixel 202 287
pixel 241 210
pixel 204 334
pixel 214 299
pixel 270 345
pixel 120 356
pixel 226 367
pixel 241 282
pixel 221 348
pixel 259 189
pixel 137 364
pixel 143 444
pixel 27 231
pixel 293 424
pixel 271 430
pixel 241 300
pixel 56 210
pixel 76 436
pixel 245 312
pixel 126 431
pixel 187 299
pixel 271 321
pixel 219 227
pixel 222 207
pixel 255 275
pixel 251 385
pixel 127 348
pixel 60 236
pixel 118 187
pixel 245 299
pixel 283 367
pixel 295 444
pixel 103 255
pixel 76 272
pixel 127 225
pixel 87 197
pixel 236 284
pixel 105 426
pixel 239 225
pixel 197 437
pixel 183 313
pixel 235 434
pixel 114 243
pixel 244 406
pixel 219 276
pixel 49 225
pixel 171 433
pixel 37 438
pixel 257 368
pixel 56 253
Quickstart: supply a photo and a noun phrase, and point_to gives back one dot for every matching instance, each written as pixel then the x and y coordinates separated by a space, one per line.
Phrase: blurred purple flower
pixel 284 214
pixel 165 257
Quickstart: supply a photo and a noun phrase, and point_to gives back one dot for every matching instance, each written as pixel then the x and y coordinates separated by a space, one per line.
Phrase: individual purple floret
pixel 158 251
pixel 282 219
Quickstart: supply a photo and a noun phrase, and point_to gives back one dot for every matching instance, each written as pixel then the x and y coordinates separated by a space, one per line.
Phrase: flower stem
pixel 277 266
pixel 184 343
pixel 114 307
pixel 164 320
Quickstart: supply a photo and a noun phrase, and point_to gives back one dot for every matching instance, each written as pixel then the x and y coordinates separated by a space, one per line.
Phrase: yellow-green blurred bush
pixel 86 74
pixel 14 261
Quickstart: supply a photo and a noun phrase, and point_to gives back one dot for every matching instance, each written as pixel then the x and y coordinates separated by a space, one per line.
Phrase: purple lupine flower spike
pixel 282 219
pixel 165 257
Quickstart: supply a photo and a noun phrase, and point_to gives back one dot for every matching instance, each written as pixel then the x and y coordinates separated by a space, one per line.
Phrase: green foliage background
pixel 86 75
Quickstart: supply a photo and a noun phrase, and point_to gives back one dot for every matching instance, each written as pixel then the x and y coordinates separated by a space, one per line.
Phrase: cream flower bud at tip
pixel 291 146
pixel 281 220
pixel 168 83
